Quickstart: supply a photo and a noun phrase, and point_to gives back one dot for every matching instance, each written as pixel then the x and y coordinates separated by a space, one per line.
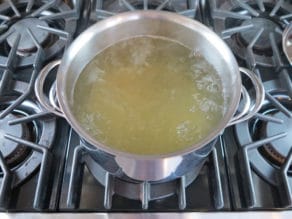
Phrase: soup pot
pixel 190 33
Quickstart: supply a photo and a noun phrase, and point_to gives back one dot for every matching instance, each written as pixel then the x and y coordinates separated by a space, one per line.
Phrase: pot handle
pixel 51 103
pixel 249 109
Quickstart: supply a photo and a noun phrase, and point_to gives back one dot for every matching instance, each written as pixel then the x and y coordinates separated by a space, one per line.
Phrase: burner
pixel 13 152
pixel 26 44
pixel 24 125
pixel 51 24
pixel 253 28
pixel 270 132
pixel 279 148
pixel 257 24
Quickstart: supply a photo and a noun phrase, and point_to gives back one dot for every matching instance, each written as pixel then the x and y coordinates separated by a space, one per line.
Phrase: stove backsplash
pixel 44 164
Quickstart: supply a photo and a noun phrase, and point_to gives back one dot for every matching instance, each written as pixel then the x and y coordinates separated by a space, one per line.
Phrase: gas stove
pixel 47 170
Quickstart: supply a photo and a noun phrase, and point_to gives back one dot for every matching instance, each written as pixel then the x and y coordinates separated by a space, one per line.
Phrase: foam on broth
pixel 148 96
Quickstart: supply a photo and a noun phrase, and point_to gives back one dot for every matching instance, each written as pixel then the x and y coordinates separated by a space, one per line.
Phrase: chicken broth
pixel 148 96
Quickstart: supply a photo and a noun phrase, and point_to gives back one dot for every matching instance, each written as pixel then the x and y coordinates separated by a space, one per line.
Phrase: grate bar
pixel 182 202
pixel 102 14
pixel 188 13
pixel 267 140
pixel 43 181
pixel 29 118
pixel 37 64
pixel 63 34
pixel 4 17
pixel 5 187
pixel 284 176
pixel 261 5
pixel 250 53
pixel 145 4
pixel 247 178
pixel 20 86
pixel 277 104
pixel 61 15
pixel 108 190
pixel 227 33
pixel 33 38
pixel 276 8
pixel 12 54
pixel 257 72
pixel 3 27
pixel 128 5
pixel 286 81
pixel 14 8
pixel 145 194
pixel 217 185
pixel 286 16
pixel 5 35
pixel 194 3
pixel 248 8
pixel 34 146
pixel 43 8
pixel 29 6
pixel 269 118
pixel 74 189
pixel 278 30
pixel 276 52
pixel 77 6
pixel 99 4
pixel 217 13
pixel 197 7
pixel 162 5
pixel 4 82
pixel 39 55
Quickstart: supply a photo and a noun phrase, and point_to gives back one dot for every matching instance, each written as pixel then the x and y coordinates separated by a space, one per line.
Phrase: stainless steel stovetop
pixel 45 169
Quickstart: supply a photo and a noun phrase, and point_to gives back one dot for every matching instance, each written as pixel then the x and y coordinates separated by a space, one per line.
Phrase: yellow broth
pixel 148 96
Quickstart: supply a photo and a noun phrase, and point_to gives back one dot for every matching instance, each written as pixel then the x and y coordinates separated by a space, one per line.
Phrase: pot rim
pixel 76 46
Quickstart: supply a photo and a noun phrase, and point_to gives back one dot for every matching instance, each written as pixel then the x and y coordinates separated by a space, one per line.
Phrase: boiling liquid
pixel 148 95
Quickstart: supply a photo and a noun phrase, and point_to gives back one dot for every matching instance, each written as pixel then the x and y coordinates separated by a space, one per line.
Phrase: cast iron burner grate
pixel 104 9
pixel 126 187
pixel 26 138
pixel 87 186
pixel 266 144
pixel 258 152
pixel 31 32
pixel 25 26
pixel 253 29
pixel 17 81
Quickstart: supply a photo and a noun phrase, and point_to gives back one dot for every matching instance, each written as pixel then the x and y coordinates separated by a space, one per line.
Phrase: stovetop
pixel 45 166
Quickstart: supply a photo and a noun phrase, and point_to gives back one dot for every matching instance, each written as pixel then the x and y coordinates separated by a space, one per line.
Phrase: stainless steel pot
pixel 190 33
pixel 287 42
